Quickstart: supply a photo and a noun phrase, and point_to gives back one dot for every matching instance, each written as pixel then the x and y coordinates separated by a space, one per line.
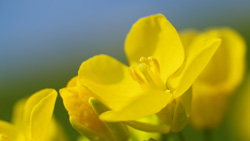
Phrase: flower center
pixel 147 74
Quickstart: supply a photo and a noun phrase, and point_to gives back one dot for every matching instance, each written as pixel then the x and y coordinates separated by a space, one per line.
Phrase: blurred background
pixel 43 43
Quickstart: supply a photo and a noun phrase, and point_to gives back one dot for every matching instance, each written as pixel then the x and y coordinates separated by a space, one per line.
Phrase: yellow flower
pixel 218 81
pixel 160 70
pixel 77 101
pixel 240 119
pixel 31 118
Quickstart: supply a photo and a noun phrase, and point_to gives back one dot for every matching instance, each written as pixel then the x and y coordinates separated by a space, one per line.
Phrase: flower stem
pixel 207 135
pixel 181 136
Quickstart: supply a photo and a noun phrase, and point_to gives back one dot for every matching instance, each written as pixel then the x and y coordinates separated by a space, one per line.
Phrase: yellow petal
pixel 146 104
pixel 198 55
pixel 10 132
pixel 38 112
pixel 155 36
pixel 21 123
pixel 18 114
pixel 72 82
pixel 226 69
pixel 83 118
pixel 108 80
pixel 187 38
pixel 56 132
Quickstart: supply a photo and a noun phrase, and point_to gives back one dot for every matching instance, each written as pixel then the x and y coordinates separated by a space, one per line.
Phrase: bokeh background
pixel 43 43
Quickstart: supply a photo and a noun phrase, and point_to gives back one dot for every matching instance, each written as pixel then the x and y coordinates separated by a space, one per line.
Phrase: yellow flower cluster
pixel 170 81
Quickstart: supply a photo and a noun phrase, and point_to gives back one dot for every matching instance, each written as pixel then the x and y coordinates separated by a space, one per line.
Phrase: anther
pixel 144 60
pixel 135 75
pixel 144 69
pixel 155 63
pixel 147 73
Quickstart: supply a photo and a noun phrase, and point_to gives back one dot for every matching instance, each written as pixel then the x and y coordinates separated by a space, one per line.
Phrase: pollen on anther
pixel 154 62
pixel 144 60
pixel 135 75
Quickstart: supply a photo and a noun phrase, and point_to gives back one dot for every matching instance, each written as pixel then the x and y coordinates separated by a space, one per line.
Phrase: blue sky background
pixel 35 32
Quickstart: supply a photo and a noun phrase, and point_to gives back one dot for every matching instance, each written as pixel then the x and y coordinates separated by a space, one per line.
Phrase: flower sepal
pixel 176 114
pixel 91 135
pixel 118 130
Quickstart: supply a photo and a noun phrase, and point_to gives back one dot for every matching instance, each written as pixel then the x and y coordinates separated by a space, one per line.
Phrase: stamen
pixel 135 75
pixel 144 68
pixel 144 60
pixel 149 74
pixel 155 63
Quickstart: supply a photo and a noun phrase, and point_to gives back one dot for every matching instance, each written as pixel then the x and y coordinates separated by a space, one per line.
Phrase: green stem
pixel 165 137
pixel 207 135
pixel 168 137
pixel 181 136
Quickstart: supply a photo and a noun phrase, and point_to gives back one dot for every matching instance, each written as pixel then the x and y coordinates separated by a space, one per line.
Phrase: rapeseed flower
pixel 223 74
pixel 31 118
pixel 161 70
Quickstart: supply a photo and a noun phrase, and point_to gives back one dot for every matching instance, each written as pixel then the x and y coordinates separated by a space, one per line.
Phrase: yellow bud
pixel 79 102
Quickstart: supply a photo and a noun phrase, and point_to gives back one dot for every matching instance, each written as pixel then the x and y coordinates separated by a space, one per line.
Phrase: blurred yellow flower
pixel 83 118
pixel 161 70
pixel 220 78
pixel 240 119
pixel 31 118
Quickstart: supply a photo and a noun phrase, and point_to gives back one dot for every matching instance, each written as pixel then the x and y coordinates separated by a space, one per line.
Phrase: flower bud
pixel 84 111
